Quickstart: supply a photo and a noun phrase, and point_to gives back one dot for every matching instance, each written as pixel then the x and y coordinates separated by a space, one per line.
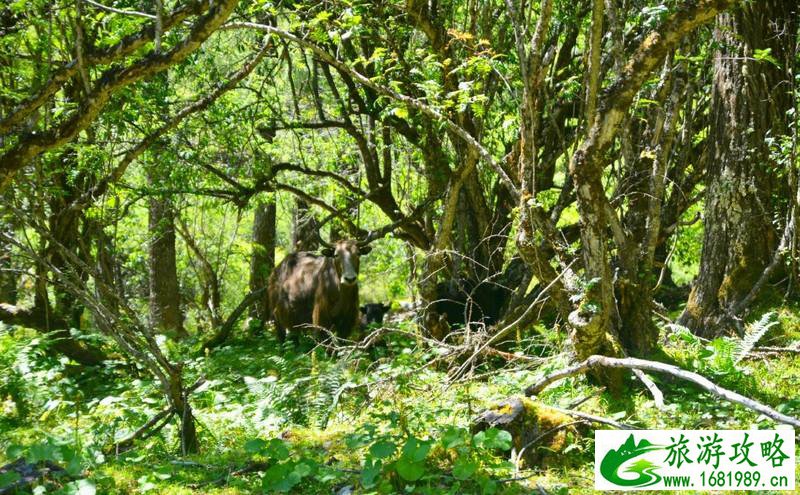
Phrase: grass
pixel 329 412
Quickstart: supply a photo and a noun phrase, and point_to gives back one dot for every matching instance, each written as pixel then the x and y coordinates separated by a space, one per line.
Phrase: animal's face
pixel 346 256
pixel 374 313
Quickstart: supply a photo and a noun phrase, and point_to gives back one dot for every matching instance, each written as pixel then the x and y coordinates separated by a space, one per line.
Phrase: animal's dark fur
pixel 373 313
pixel 469 302
pixel 308 289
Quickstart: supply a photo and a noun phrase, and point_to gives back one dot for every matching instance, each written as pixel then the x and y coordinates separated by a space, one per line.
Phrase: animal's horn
pixel 322 241
pixel 371 236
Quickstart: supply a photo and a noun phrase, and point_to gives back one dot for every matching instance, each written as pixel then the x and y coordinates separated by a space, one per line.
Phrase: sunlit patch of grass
pixel 122 478
pixel 257 389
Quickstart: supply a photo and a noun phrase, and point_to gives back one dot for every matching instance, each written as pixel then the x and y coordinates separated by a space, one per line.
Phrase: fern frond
pixel 754 332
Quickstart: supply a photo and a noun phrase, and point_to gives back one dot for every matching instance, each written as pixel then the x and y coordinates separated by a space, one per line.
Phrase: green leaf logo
pixel 629 450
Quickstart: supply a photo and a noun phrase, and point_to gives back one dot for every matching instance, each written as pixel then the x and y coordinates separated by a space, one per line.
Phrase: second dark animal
pixel 373 313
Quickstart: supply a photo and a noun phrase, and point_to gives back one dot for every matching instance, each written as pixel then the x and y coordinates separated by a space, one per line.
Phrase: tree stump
pixel 538 432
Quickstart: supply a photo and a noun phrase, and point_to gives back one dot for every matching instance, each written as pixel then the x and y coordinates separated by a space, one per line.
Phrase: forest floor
pixel 386 420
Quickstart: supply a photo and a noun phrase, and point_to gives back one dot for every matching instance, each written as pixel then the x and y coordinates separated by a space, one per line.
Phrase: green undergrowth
pixel 391 419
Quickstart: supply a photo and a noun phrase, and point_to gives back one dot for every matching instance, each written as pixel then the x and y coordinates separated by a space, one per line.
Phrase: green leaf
pixel 42 452
pixel 277 450
pixel 284 476
pixel 401 112
pixel 80 487
pixel 304 468
pixel 488 486
pixel 765 55
pixel 15 451
pixel 383 449
pixel 145 484
pixel 453 437
pixel 255 446
pixel 409 470
pixel 415 449
pixel 6 479
pixel 464 467
pixel 356 440
pixel 493 438
pixel 280 478
pixel 74 467
pixel 372 468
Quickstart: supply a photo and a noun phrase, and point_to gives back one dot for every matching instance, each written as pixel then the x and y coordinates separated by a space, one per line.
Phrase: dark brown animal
pixel 373 313
pixel 306 289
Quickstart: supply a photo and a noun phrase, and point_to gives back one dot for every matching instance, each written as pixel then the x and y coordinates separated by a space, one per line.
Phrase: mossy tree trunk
pixel 262 260
pixel 165 299
pixel 595 324
pixel 751 98
pixel 8 277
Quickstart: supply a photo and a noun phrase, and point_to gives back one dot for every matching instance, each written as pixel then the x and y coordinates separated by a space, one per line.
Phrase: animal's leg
pixel 295 334
pixel 319 323
pixel 280 331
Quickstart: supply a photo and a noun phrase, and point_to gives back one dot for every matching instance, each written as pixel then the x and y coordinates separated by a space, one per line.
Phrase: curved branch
pixel 322 204
pixel 279 167
pixel 226 328
pixel 32 144
pixel 386 91
pixel 119 11
pixel 197 106
pixel 125 47
pixel 594 362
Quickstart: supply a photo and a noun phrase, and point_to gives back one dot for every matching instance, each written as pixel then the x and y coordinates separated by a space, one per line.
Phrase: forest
pixel 399 246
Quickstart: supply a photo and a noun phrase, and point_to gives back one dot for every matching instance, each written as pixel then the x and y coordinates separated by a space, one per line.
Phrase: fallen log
pixel 593 362
pixel 537 431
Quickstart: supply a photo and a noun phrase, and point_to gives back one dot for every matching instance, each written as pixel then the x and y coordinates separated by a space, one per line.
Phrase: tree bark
pixel 262 260
pixel 8 277
pixel 305 228
pixel 593 325
pixel 750 102
pixel 165 302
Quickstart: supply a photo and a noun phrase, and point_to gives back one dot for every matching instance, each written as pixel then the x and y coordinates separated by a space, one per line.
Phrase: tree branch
pixel 386 91
pixel 131 155
pixel 595 362
pixel 125 47
pixel 32 144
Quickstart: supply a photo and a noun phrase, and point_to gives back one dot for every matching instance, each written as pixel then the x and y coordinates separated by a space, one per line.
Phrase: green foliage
pixel 388 418
pixel 753 334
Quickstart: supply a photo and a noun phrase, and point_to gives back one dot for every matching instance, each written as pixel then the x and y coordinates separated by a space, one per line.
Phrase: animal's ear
pixel 363 309
pixel 364 250
pixel 387 307
pixel 328 252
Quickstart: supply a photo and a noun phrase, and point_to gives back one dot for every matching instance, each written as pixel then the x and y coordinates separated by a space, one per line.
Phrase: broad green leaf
pixel 453 437
pixel 255 445
pixel 277 449
pixel 372 468
pixel 409 470
pixel 80 487
pixel 415 449
pixel 464 467
pixel 6 479
pixel 304 468
pixel 42 452
pixel 15 451
pixel 280 478
pixel 382 449
pixel 493 438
